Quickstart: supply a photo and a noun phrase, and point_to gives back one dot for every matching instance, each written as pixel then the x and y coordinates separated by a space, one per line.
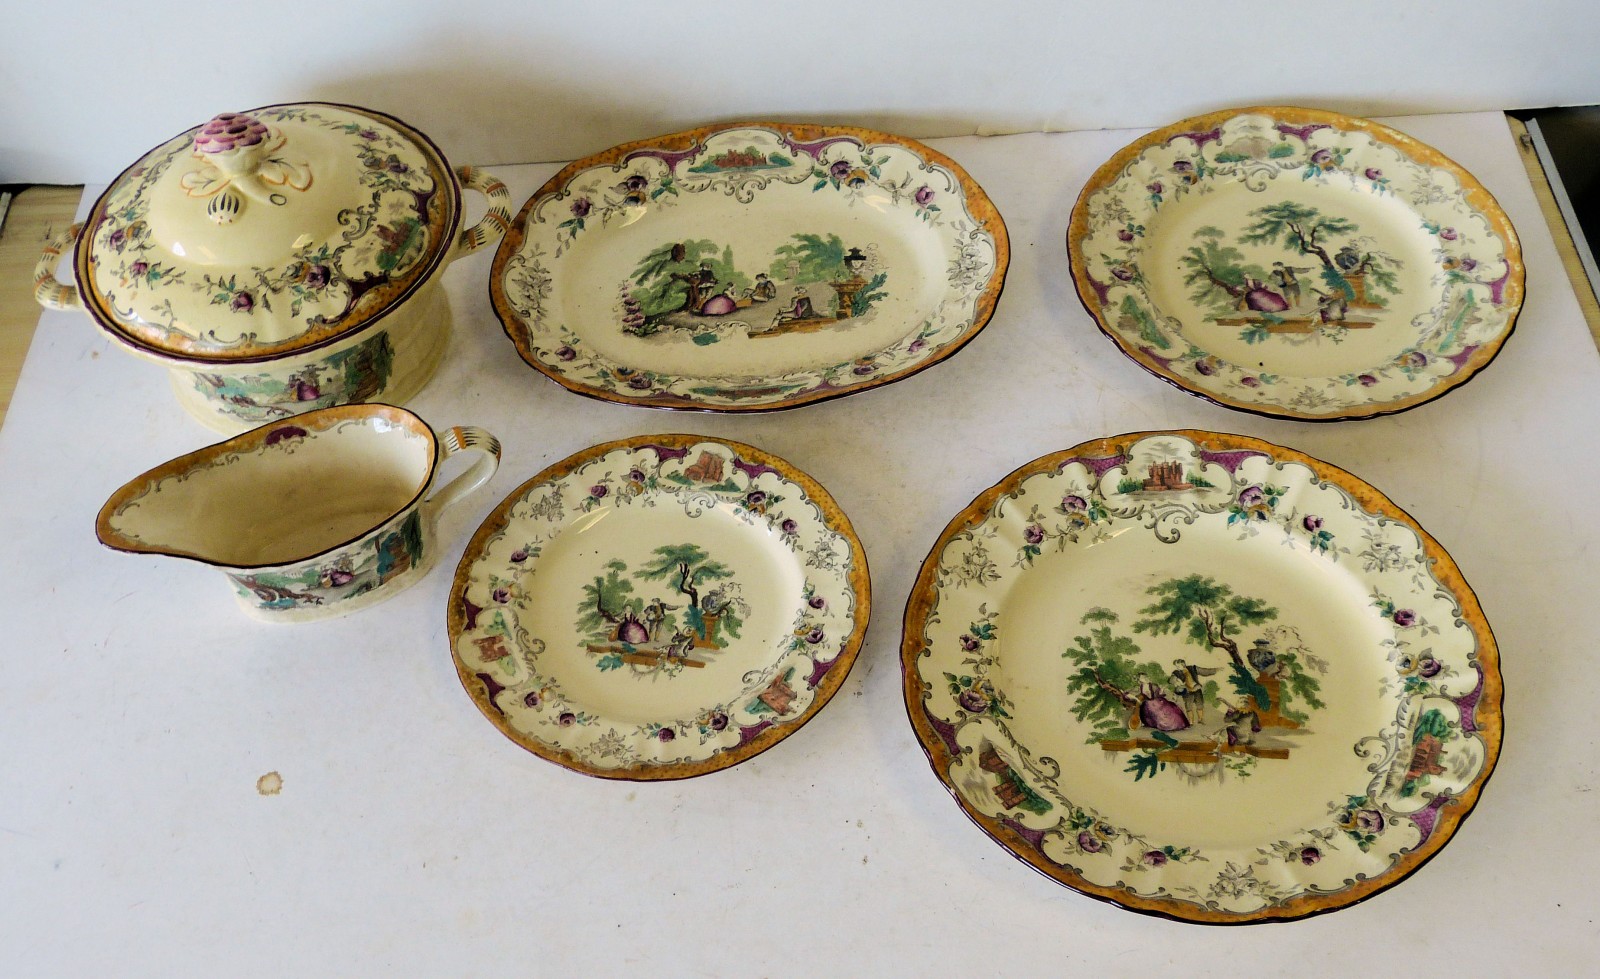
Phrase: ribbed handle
pixel 50 293
pixel 492 225
pixel 466 438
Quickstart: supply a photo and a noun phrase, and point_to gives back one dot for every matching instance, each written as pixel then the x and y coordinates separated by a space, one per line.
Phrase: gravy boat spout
pixel 317 515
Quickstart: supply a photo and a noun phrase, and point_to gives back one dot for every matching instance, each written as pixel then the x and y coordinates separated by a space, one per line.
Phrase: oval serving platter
pixel 659 607
pixel 1296 263
pixel 749 267
pixel 1202 676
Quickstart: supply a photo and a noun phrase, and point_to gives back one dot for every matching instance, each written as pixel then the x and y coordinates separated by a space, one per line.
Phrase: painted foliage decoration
pixel 1202 676
pixel 353 375
pixel 298 255
pixel 659 607
pixel 752 267
pixel 1296 263
pixel 693 287
pixel 318 515
pixel 349 573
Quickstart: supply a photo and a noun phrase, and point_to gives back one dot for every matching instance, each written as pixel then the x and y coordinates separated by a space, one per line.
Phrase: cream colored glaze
pixel 275 277
pixel 419 333
pixel 266 234
pixel 1050 638
pixel 266 508
pixel 318 515
pixel 1386 219
pixel 658 607
pixel 767 571
pixel 1043 610
pixel 913 253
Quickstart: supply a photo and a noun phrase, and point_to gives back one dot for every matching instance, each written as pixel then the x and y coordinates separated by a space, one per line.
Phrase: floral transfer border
pixel 1472 191
pixel 444 208
pixel 753 741
pixel 284 432
pixel 1026 844
pixel 680 146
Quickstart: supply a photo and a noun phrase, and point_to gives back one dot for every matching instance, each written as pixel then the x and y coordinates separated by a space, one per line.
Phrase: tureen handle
pixel 466 438
pixel 493 224
pixel 51 293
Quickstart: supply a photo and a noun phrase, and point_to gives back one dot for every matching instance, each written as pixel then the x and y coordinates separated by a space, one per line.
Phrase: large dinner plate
pixel 1296 263
pixel 659 607
pixel 750 267
pixel 1202 676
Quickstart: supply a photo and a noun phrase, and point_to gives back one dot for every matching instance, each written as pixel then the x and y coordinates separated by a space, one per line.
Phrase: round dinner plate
pixel 749 267
pixel 1202 676
pixel 1296 263
pixel 659 607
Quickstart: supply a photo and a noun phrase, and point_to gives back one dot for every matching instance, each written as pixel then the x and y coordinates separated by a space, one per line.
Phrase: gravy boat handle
pixel 466 438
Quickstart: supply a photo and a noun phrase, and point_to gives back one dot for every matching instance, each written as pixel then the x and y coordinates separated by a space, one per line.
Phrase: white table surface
pixel 138 707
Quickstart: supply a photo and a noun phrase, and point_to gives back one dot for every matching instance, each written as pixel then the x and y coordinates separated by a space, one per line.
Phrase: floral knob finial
pixel 232 140
pixel 236 144
pixel 230 130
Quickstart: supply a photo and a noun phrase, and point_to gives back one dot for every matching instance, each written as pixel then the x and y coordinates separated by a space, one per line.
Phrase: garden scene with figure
pixel 1215 712
pixel 685 608
pixel 694 287
pixel 1321 275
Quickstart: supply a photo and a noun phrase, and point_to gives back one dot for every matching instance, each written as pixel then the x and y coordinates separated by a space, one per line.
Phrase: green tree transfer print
pixel 812 282
pixel 1222 715
pixel 1344 280
pixel 661 632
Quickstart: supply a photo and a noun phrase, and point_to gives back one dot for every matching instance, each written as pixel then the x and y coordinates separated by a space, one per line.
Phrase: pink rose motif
pixel 973 701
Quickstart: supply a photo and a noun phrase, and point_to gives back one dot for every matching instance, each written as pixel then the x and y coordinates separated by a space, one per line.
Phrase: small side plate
pixel 659 607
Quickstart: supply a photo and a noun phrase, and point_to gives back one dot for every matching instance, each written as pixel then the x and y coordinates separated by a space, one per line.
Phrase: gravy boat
pixel 314 516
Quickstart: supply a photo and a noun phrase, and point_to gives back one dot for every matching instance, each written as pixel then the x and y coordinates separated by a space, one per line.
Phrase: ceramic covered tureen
pixel 279 260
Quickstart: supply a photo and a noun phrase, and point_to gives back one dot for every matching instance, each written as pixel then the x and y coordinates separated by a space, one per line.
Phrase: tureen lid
pixel 267 232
